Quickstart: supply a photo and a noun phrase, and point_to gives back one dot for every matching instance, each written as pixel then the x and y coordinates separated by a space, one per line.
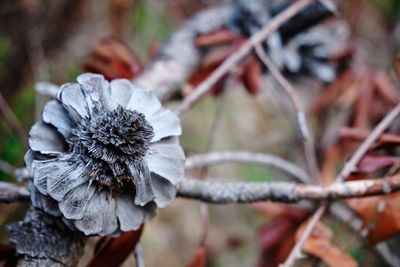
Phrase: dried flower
pixel 104 156
pixel 294 48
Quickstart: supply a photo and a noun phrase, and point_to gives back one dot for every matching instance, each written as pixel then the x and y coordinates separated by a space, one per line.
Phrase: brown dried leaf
pixel 8 255
pixel 380 214
pixel 319 244
pixel 252 77
pixel 114 59
pixel 373 162
pixel 112 251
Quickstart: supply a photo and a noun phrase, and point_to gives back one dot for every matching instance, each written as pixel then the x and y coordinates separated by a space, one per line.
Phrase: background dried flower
pixel 104 156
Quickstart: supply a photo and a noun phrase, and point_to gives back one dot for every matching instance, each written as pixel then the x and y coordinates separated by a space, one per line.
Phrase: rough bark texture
pixel 245 192
pixel 42 240
pixel 179 57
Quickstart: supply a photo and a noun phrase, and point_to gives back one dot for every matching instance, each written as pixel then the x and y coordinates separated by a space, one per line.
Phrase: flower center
pixel 109 141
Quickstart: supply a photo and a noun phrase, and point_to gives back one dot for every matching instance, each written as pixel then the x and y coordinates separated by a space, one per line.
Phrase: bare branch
pixel 245 192
pixel 179 57
pixel 349 167
pixel 11 193
pixel 10 118
pixel 43 240
pixel 296 251
pixel 214 158
pixel 308 142
pixel 139 256
pixel 244 50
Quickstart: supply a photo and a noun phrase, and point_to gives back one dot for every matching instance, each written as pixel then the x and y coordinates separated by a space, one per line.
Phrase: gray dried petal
pixel 143 101
pixel 142 181
pixel 45 139
pixel 164 191
pixel 165 160
pixel 129 215
pixel 74 203
pixel 73 100
pixel 323 71
pixel 64 176
pixel 121 91
pixel 110 223
pixel 168 124
pixel 54 114
pixel 92 221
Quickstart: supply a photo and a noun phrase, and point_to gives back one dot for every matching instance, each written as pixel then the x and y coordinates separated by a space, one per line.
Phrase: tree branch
pixel 213 158
pixel 308 143
pixel 179 57
pixel 349 167
pixel 12 193
pixel 43 240
pixel 244 50
pixel 246 192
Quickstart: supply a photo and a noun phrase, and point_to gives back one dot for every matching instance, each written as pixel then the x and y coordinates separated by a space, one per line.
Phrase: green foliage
pixel 151 25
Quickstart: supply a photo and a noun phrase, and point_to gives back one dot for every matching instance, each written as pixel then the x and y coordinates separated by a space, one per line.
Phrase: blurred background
pixel 54 41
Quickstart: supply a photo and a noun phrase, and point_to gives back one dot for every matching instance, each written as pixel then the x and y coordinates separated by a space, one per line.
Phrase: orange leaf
pixel 319 244
pixel 252 77
pixel 200 259
pixel 380 214
pixel 112 251
pixel 114 59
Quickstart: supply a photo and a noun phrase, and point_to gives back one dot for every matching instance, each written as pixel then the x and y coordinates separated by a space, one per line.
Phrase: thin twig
pixel 139 256
pixel 349 167
pixel 308 142
pixel 12 193
pixel 7 168
pixel 213 158
pixel 296 251
pixel 204 209
pixel 286 192
pixel 10 118
pixel 244 50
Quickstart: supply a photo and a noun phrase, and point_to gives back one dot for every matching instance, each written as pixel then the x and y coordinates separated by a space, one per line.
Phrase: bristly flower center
pixel 108 142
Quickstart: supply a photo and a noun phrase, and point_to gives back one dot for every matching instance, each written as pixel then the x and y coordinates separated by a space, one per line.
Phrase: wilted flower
pixel 104 156
pixel 293 47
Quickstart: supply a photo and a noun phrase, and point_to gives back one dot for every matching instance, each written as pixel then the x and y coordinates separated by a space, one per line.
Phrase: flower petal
pixel 142 179
pixel 43 202
pixel 40 172
pixel 92 221
pixel 45 139
pixel 110 223
pixel 165 123
pixel 73 99
pixel 74 203
pixel 55 114
pixel 63 177
pixel 143 101
pixel 129 215
pixel 164 191
pixel 166 160
pixel 121 92
pixel 93 86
